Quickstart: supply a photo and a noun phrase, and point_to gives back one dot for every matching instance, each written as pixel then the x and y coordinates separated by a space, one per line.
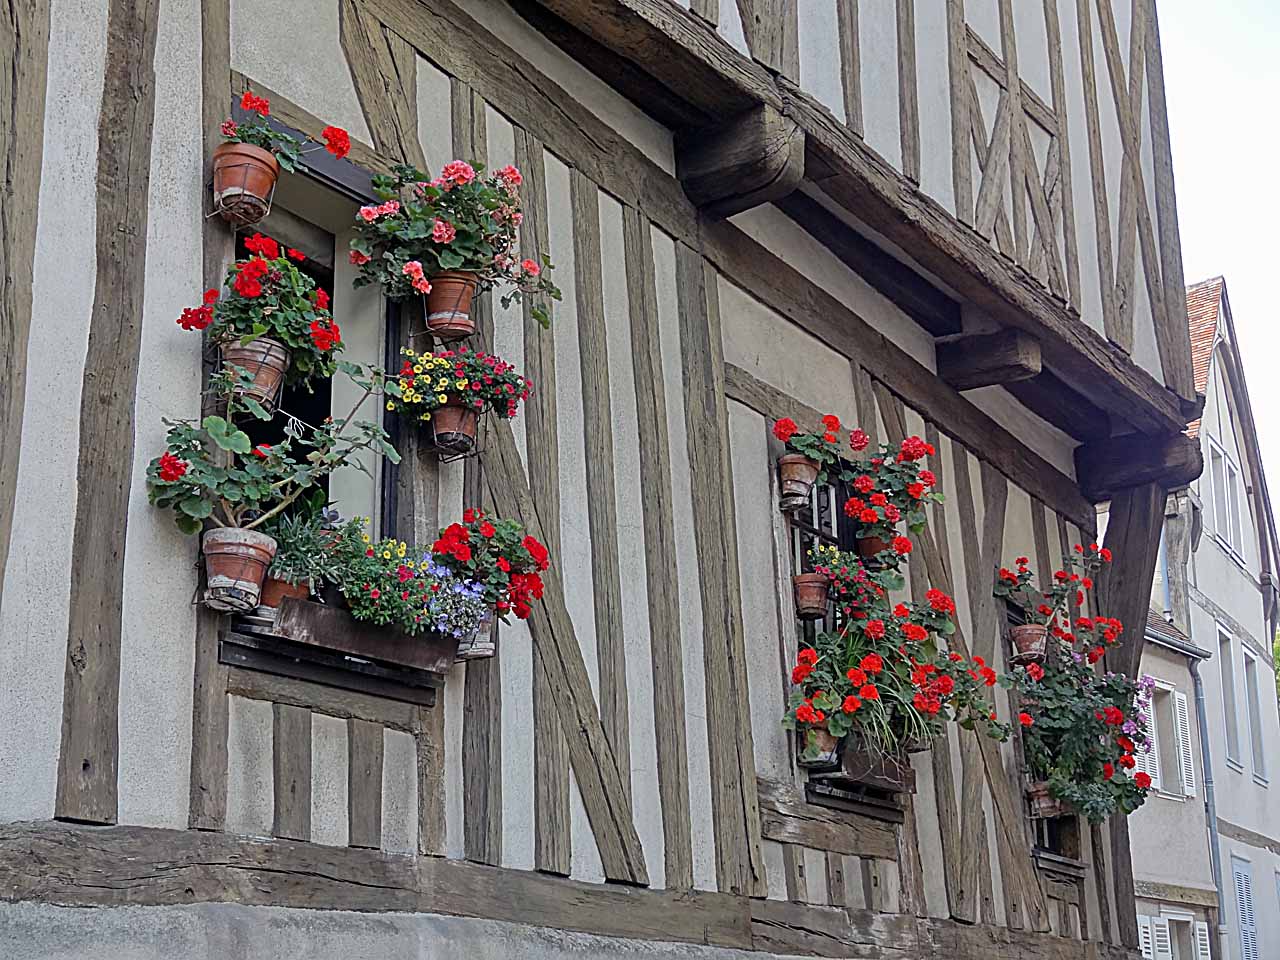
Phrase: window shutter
pixel 1182 721
pixel 1161 940
pixel 1244 909
pixel 1144 937
pixel 1149 762
pixel 1202 941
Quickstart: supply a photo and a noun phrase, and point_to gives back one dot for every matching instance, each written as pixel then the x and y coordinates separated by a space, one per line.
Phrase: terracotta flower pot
pixel 1044 805
pixel 811 590
pixel 869 550
pixel 265 360
pixel 453 427
pixel 1030 641
pixel 274 590
pixel 236 562
pixel 480 644
pixel 449 305
pixel 827 749
pixel 244 178
pixel 797 473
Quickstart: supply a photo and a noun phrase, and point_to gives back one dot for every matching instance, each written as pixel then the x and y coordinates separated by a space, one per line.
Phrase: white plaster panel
pixel 329 780
pixel 775 870
pixel 632 566
pixel 250 780
pixel 33 619
pixel 984 17
pixel 686 566
pixel 158 621
pixel 435 117
pixel 1033 48
pixel 508 322
pixel 753 510
pixel 815 868
pixel 399 792
pixel 933 93
pixel 929 833
pixel 730 26
pixel 878 46
pixel 266 36
pixel 820 68
pixel 1037 434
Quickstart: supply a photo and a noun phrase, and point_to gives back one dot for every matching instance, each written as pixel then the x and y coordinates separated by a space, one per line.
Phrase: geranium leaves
pixel 226 436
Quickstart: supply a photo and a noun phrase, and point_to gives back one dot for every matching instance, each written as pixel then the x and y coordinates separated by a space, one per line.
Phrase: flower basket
pixel 891 772
pixel 869 549
pixel 244 181
pixel 453 427
pixel 1043 804
pixel 327 627
pixel 236 562
pixel 265 362
pixel 480 645
pixel 819 750
pixel 275 590
pixel 1030 642
pixel 811 592
pixel 797 473
pixel 449 305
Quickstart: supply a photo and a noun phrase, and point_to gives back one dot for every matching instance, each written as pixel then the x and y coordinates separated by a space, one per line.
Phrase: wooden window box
pixel 325 644
pixel 863 783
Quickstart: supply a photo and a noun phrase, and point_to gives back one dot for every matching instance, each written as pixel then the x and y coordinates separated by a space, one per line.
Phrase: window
pixel 821 522
pixel 1227 523
pixel 1253 704
pixel 1171 761
pixel 1173 936
pixel 1226 666
pixel 1243 874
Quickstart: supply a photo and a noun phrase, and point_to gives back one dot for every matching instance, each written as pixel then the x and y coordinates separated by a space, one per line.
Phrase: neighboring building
pixel 953 220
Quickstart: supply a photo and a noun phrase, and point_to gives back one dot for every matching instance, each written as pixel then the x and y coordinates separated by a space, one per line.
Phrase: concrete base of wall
pixel 216 931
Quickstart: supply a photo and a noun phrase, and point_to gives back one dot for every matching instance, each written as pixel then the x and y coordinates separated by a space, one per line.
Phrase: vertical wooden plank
pixel 662 591
pixel 24 49
pixel 364 784
pixel 739 862
pixel 872 891
pixel 291 766
pixel 910 869
pixel 1101 881
pixel 850 64
pixel 837 894
pixel 429 736
pixel 794 870
pixel 1062 138
pixel 383 73
pixel 602 510
pixel 864 400
pixel 1017 158
pixel 958 77
pixel 1097 171
pixel 89 755
pixel 1040 532
pixel 908 95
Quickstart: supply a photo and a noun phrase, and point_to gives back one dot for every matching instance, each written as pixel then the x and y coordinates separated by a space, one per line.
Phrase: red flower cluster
pixel 524 587
pixel 859 440
pixel 325 335
pixel 913 448
pixel 785 429
pixel 250 101
pixel 336 141
pixel 805 661
pixel 248 281
pixel 940 601
pixel 171 468
pixel 454 542
pixel 263 246
pixel 197 318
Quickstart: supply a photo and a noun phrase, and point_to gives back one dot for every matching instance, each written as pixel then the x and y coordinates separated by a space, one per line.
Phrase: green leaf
pixel 196 507
pixel 541 316
pixel 226 436
pixel 188 525
pixel 254 407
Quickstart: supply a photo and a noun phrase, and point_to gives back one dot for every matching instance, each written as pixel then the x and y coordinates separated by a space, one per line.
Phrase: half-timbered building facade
pixel 947 219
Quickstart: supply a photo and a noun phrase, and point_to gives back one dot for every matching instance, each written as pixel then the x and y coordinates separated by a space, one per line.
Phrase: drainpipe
pixel 1210 806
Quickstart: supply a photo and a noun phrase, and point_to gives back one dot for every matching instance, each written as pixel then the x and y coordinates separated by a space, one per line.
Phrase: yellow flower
pixel 390 405
pixel 364 537
pixel 460 384
pixel 409 564
pixel 442 398
pixel 442 383
pixel 417 368
pixel 386 554
pixel 425 417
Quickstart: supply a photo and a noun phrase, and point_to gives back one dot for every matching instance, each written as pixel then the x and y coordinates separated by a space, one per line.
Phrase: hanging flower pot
pixel 244 180
pixel 811 590
pixel 266 361
pixel 821 749
pixel 274 590
pixel 453 427
pixel 479 645
pixel 449 305
pixel 1030 641
pixel 797 473
pixel 236 562
pixel 1044 805
pixel 869 550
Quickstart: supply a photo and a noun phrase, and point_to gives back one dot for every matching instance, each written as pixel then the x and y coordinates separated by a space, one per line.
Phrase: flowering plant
pixel 1068 586
pixel 1087 726
pixel 428 380
pixel 891 487
pixel 460 220
pixel 498 555
pixel 256 130
pixel 270 297
pixel 391 584
pixel 880 674
pixel 211 470
pixel 822 448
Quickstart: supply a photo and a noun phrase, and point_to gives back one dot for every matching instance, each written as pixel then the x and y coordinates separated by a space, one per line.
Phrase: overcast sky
pixel 1222 76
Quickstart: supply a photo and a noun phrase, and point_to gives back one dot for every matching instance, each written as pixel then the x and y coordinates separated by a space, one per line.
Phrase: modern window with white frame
pixel 1231 715
pixel 1174 935
pixel 1253 710
pixel 1224 476
pixel 1170 763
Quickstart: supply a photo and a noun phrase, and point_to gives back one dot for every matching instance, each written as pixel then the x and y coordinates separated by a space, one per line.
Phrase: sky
pixel 1222 82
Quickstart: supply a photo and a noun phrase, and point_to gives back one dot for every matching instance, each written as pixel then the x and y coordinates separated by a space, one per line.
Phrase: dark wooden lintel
pixel 1049 398
pixel 1105 467
pixel 986 359
pixel 753 158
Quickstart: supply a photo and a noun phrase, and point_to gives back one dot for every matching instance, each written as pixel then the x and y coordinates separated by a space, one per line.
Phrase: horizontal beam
pixel 1105 467
pixel 76 866
pixel 754 158
pixel 785 816
pixel 1070 411
pixel 987 359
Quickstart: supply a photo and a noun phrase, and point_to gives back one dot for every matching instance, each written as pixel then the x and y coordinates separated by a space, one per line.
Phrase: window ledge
pixel 1168 795
pixel 1235 765
pixel 1261 781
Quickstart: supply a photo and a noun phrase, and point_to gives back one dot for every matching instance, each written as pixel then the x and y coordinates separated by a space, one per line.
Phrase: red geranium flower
pixel 869 691
pixel 785 429
pixel 851 704
pixel 1025 719
pixel 322 299
pixel 171 468
pixel 248 101
pixel 1108 771
pixel 325 336
pixel 336 141
pixel 1140 780
pixel 807 655
pixel 831 422
pixel 263 246
pixel 859 439
pixel 296 254
pixel 872 663
pixel 901 546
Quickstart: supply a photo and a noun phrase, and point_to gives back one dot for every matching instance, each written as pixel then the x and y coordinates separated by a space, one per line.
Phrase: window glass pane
pixel 1219 493
pixel 1255 715
pixel 1226 664
pixel 1167 743
pixel 1233 496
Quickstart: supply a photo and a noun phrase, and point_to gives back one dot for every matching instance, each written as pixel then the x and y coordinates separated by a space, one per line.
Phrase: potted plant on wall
pixel 305 556
pixel 1041 607
pixel 449 390
pixel 211 474
pixel 889 488
pixel 446 239
pixel 247 163
pixel 810 458
pixel 274 324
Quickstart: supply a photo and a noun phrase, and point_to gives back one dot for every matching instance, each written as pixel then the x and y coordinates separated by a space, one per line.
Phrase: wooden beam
pixel 24 49
pixel 958 80
pixel 785 816
pixel 850 63
pixel 749 160
pixel 364 784
pixel 1053 401
pixel 908 95
pixel 89 755
pixel 910 292
pixel 985 359
pixel 1105 467
pixel 291 769
pixel 343 704
pixel 383 71
pixel 429 737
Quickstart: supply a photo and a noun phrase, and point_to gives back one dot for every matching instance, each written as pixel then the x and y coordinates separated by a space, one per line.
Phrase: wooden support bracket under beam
pixel 984 359
pixel 1105 467
pixel 754 158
